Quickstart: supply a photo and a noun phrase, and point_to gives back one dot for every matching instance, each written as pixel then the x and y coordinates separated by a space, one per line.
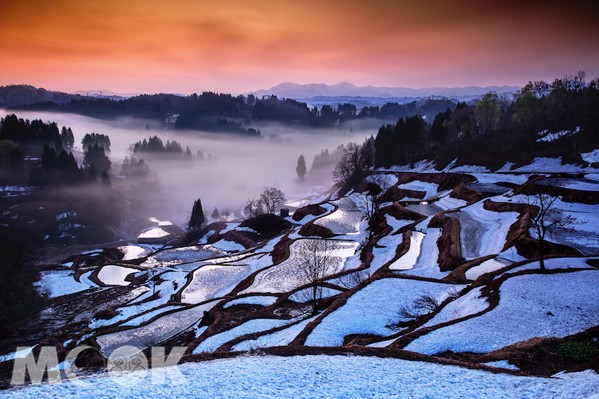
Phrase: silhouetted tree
pixel 545 218
pixel 96 157
pixel 96 140
pixel 317 262
pixel 197 218
pixel 352 167
pixel 67 138
pixel 271 198
pixel 301 168
pixel 253 208
pixel 215 214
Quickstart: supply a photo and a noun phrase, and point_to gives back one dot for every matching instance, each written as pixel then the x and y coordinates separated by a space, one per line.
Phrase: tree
pixel 317 263
pixel 197 218
pixel 96 139
pixel 96 157
pixel 271 198
pixel 253 208
pixel 487 112
pixel 301 168
pixel 68 140
pixel 352 167
pixel 545 218
pixel 215 214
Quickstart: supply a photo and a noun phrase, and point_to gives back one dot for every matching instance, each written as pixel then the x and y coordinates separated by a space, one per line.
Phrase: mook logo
pixel 126 366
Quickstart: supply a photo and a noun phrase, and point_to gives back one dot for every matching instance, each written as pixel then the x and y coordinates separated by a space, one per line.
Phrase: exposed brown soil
pixel 395 193
pixel 311 229
pixel 548 356
pixel 247 239
pixel 301 213
pixel 450 251
pixel 467 194
pixel 529 248
pixel 568 195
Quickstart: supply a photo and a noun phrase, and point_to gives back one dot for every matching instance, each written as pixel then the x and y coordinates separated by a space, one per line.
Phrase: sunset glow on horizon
pixel 237 46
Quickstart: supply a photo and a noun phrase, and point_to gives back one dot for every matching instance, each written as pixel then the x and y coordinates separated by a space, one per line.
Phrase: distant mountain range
pixel 344 89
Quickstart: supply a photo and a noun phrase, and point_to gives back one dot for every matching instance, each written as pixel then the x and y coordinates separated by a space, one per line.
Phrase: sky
pixel 237 46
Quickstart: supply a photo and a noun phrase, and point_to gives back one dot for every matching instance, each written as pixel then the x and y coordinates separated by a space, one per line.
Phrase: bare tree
pixel 545 218
pixel 422 305
pixel 353 165
pixel 317 263
pixel 271 198
pixel 253 207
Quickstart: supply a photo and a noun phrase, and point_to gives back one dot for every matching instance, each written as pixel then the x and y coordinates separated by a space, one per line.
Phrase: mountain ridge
pixel 297 90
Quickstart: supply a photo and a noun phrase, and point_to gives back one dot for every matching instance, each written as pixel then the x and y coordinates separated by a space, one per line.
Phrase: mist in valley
pixel 233 169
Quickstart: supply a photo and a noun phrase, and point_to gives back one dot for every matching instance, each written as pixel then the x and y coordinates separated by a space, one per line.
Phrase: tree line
pixel 497 129
pixel 218 112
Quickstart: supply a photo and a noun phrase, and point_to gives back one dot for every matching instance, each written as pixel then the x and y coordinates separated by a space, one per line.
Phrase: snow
pixel 547 136
pixel 430 189
pixel 289 274
pixel 23 353
pixel 502 364
pixel 115 275
pixel 153 232
pixel 177 256
pixel 543 305
pixel 483 232
pixel 408 260
pixel 449 202
pixel 134 251
pixel 345 220
pixel 469 169
pixel 468 304
pixel 554 264
pixel 93 251
pixel 57 283
pixel 305 295
pixel 385 251
pixel 427 263
pixel 246 230
pixel 383 180
pixel 229 246
pixel 278 338
pixel 485 267
pixel 396 224
pixel 321 376
pixel 155 332
pixel 262 300
pixel 591 157
pixel 511 254
pixel 214 342
pixel 550 165
pixel 582 230
pixel 490 178
pixel 214 281
pixel 145 317
pixel 373 310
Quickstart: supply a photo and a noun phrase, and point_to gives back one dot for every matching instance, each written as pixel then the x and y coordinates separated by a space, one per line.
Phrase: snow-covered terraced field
pixel 483 232
pixel 345 220
pixel 289 274
pixel 213 281
pixel 538 305
pixel 155 332
pixel 213 342
pixel 330 377
pixel 374 310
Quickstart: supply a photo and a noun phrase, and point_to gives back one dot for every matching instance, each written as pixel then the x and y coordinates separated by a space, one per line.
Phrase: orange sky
pixel 187 46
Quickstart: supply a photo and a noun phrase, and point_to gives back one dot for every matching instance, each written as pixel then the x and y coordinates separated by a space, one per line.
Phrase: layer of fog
pixel 242 169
